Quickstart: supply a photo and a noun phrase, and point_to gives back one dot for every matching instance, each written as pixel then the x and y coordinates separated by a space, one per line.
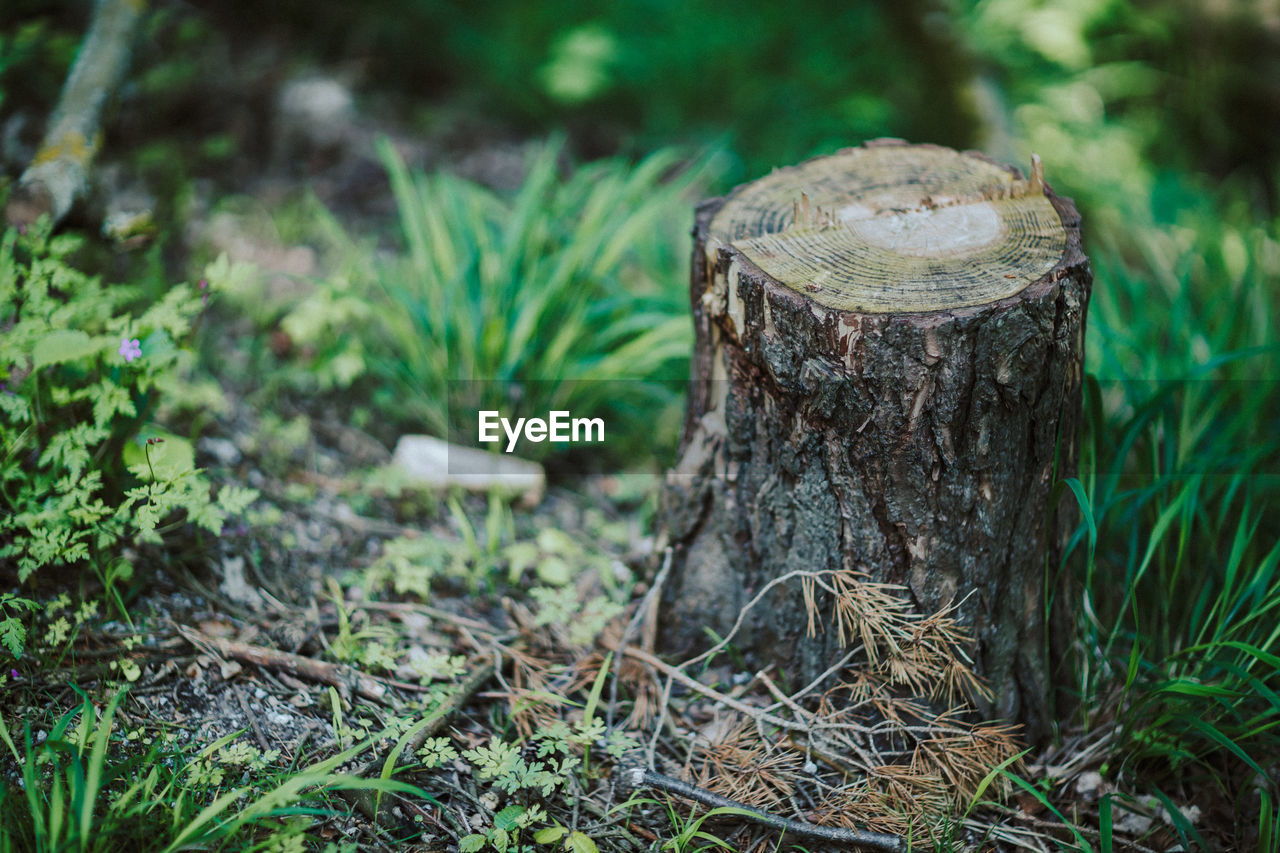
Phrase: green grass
pixel 1179 479
pixel 85 786
pixel 569 295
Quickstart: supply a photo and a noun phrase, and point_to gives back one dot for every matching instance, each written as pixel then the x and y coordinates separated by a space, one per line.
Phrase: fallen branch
pixel 339 675
pixel 417 608
pixel 742 614
pixel 646 615
pixel 59 172
pixel 637 777
pixel 711 693
pixel 258 733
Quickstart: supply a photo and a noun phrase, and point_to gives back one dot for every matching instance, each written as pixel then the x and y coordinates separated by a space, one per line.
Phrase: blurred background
pixel 1128 102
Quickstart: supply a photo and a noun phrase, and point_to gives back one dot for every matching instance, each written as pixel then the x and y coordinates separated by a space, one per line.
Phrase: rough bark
pixel 886 379
pixel 59 173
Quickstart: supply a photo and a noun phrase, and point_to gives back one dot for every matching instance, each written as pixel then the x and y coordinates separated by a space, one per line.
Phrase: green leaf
pixel 15 409
pixel 63 345
pixel 987 780
pixel 238 279
pixel 70 448
pixel 108 399
pixel 236 499
pixel 158 347
pixel 520 556
pixel 579 842
pixel 554 541
pixel 550 834
pixel 507 818
pixel 13 635
pixel 169 458
pixel 471 843
pixel 1105 827
pixel 596 689
pixel 1040 798
pixel 1185 829
pixel 554 571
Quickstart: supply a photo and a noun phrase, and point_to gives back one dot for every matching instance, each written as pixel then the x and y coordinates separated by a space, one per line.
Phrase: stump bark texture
pixel 886 379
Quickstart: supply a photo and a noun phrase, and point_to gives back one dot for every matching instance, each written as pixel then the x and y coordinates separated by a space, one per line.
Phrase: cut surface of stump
pixel 886 381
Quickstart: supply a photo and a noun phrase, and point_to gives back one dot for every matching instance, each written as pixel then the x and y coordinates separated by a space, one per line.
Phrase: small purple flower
pixel 13 673
pixel 130 349
pixel 204 287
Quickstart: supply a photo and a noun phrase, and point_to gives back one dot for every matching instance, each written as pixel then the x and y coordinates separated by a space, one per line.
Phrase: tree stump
pixel 886 379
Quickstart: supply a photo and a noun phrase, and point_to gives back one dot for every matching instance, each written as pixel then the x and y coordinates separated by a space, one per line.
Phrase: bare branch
pixel 59 172
pixel 637 777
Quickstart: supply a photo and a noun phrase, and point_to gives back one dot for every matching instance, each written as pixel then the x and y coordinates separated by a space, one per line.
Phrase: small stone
pixel 224 451
pixel 1088 783
pixel 235 586
pixel 438 464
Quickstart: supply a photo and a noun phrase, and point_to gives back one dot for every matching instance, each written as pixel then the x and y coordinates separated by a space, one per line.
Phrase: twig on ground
pixel 427 610
pixel 111 648
pixel 817 682
pixel 341 676
pixel 639 777
pixel 641 617
pixel 783 699
pixel 713 694
pixel 742 614
pixel 258 734
pixel 815 723
pixel 663 719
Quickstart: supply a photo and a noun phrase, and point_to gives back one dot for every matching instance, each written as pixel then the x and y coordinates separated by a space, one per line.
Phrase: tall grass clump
pixel 568 295
pixel 1180 475
pixel 84 785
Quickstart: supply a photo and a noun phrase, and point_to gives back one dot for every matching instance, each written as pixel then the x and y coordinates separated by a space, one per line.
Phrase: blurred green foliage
pixel 1112 93
pixel 1136 108
pixel 37 44
pixel 772 82
pixel 1119 97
